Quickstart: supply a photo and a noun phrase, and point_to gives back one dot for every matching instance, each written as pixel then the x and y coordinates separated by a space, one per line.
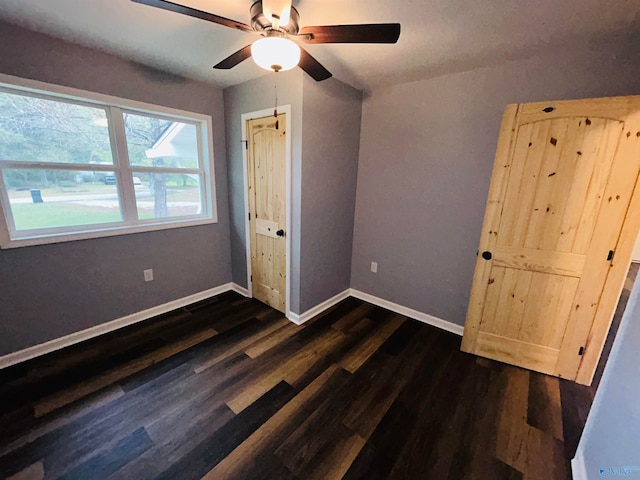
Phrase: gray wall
pixel 52 290
pixel 426 157
pixel 248 97
pixel 324 173
pixel 331 140
pixel 611 438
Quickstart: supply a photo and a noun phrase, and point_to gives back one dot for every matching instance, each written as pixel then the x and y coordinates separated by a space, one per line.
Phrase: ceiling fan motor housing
pixel 260 22
pixel 277 51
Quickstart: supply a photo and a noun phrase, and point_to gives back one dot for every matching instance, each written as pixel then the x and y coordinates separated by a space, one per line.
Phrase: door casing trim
pixel 245 117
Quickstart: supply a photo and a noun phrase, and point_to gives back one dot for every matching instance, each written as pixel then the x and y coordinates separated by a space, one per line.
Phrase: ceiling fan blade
pixel 233 60
pixel 192 12
pixel 313 67
pixel 365 33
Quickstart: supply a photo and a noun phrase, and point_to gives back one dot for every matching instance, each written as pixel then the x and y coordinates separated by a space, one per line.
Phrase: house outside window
pixel 79 165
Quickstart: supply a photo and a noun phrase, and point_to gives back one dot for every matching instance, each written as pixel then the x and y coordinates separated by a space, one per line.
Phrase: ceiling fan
pixel 277 22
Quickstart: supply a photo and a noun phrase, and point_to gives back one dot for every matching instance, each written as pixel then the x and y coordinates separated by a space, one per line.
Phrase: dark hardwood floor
pixel 229 389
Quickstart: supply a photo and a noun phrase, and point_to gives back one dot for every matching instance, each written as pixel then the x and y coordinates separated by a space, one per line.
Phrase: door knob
pixel 487 255
pixel 280 233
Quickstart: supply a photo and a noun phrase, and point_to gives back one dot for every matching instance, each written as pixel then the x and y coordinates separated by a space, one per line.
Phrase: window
pixel 80 165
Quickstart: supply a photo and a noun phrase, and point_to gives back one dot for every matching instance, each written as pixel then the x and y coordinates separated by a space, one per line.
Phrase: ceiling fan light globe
pixel 276 54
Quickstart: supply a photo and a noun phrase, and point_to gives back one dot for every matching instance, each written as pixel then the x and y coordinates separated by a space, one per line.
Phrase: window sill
pixel 98 232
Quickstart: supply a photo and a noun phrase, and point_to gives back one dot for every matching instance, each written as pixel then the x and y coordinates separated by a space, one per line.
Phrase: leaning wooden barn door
pixel 560 223
pixel 267 208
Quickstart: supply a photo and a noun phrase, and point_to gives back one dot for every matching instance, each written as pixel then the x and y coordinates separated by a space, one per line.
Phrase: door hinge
pixel 581 351
pixel 246 144
pixel 610 256
pixel 249 215
pixel 251 277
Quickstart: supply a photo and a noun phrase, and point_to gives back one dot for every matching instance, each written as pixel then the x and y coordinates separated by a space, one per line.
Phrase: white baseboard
pixel 409 312
pixel 299 319
pixel 394 307
pixel 578 468
pixel 71 339
pixel 238 289
pixel 312 312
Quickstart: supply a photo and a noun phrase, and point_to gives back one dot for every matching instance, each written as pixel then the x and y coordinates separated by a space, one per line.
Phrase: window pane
pixel 160 195
pixel 38 130
pixel 61 198
pixel 158 142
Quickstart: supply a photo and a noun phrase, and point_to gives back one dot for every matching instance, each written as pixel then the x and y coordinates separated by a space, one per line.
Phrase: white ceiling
pixel 438 36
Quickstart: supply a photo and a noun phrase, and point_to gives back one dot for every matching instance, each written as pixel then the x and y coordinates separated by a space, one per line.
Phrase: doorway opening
pixel 267 225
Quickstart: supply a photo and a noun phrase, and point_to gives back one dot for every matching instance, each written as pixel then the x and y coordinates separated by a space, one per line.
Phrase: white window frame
pixel 115 108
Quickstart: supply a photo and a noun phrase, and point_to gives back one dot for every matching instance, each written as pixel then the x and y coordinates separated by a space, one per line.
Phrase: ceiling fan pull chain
pixel 276 21
pixel 275 108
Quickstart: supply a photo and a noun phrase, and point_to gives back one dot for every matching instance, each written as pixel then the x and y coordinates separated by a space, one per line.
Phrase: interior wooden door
pixel 562 216
pixel 266 142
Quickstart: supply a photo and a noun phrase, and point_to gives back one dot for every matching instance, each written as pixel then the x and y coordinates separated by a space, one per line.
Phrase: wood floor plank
pixel 377 457
pixel 320 432
pixel 424 450
pixel 32 388
pixel 104 463
pixel 246 310
pixel 361 327
pixel 325 343
pixel 188 359
pixel 173 439
pixel 13 425
pixel 576 402
pixel 512 421
pixel 101 352
pixel 544 456
pixel 292 332
pixel 264 465
pixel 390 437
pixel 544 405
pixel 332 355
pixel 241 345
pixel 475 454
pixel 336 461
pixel 268 435
pixel 81 437
pixel 356 392
pixel 319 438
pixel 270 340
pixel 364 350
pixel 62 398
pixel 456 453
pixel 32 472
pixel 398 341
pixel 386 378
pixel 74 412
pixel 353 317
pixel 288 371
pixel 197 462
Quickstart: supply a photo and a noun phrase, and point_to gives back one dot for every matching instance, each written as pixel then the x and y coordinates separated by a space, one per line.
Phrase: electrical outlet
pixel 148 275
pixel 374 267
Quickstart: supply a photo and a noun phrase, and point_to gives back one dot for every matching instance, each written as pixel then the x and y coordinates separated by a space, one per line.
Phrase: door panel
pixel 266 140
pixel 539 261
pixel 563 179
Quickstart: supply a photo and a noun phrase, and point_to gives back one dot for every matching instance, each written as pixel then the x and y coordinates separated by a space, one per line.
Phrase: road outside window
pixel 71 168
